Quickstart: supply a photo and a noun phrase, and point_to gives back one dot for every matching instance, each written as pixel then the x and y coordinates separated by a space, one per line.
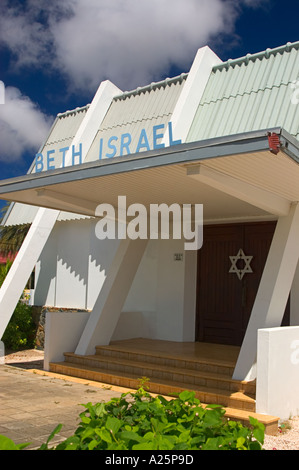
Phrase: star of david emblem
pixel 246 269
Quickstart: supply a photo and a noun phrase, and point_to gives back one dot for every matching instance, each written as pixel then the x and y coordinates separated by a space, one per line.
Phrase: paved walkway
pixel 33 403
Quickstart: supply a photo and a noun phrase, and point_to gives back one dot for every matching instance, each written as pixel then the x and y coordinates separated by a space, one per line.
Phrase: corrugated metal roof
pixel 129 112
pixel 67 125
pixel 251 93
pixel 61 135
pixel 242 95
pixel 140 109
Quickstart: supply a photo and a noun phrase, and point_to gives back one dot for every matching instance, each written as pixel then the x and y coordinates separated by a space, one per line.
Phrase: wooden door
pixel 225 295
pixel 219 294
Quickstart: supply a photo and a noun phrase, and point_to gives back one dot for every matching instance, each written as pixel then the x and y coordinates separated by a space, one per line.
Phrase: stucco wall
pixel 161 302
pixel 62 333
pixel 278 372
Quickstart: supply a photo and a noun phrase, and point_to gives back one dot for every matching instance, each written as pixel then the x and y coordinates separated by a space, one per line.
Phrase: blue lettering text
pixel 50 159
pixel 112 147
pixel 126 139
pixel 63 151
pixel 116 146
pixel 39 162
pixel 77 154
pixel 143 142
pixel 158 136
pixel 171 141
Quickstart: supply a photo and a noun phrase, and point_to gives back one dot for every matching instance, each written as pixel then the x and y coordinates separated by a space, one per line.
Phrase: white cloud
pixel 23 126
pixel 129 42
pixel 132 41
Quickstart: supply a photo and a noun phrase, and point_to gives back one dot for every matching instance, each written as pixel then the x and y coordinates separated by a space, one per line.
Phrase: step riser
pixel 204 397
pixel 160 360
pixel 147 370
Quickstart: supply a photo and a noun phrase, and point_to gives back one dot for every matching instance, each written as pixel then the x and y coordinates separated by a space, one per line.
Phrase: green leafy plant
pixel 4 268
pixel 139 421
pixel 21 329
pixel 8 444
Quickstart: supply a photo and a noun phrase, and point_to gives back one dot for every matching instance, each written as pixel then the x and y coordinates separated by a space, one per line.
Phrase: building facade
pixel 223 136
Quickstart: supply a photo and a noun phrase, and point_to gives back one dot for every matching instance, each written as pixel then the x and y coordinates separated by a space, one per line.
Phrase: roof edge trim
pixel 152 86
pixel 259 55
pixel 185 154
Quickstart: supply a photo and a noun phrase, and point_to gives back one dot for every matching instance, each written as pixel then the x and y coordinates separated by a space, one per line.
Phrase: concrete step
pixel 158 370
pixel 218 367
pixel 132 380
pixel 238 405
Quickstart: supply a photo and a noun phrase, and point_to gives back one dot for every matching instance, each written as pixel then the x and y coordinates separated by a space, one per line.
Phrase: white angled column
pixel 22 267
pixel 12 287
pixel 193 90
pixel 273 292
pixel 108 306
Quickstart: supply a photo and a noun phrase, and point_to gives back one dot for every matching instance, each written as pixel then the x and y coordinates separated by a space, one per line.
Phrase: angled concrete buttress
pixel 273 292
pixel 112 294
pixel 108 306
pixel 45 219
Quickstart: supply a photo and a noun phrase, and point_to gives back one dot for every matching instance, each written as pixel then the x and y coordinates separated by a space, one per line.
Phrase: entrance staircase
pixel 168 374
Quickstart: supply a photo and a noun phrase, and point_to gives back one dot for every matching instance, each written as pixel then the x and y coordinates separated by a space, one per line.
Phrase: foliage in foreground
pixel 139 421
pixel 8 444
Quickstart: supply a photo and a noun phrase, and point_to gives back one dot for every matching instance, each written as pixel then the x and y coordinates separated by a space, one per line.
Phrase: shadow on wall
pixel 73 266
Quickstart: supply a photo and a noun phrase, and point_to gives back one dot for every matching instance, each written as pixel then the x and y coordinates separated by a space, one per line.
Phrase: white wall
pixel 72 264
pixel 62 333
pixel 170 290
pixel 161 302
pixel 278 372
pixel 45 273
pixel 143 294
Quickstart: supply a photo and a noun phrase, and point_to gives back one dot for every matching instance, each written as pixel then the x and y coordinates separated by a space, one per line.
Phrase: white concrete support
pixel 272 296
pixel 19 273
pixel 45 219
pixel 108 306
pixel 277 372
pixel 193 90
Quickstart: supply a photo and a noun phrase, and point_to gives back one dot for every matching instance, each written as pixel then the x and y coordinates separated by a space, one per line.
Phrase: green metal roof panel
pixel 66 126
pixel 129 112
pixel 134 111
pixel 249 94
pixel 61 135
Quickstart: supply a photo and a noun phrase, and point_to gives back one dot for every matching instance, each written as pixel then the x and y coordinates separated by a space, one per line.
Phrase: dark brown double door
pixel 227 286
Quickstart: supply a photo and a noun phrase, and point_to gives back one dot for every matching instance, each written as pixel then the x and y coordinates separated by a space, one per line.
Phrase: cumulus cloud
pixel 23 126
pixel 130 42
pixel 127 41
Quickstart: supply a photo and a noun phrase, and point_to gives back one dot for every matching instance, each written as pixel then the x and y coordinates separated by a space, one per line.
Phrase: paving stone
pixel 32 405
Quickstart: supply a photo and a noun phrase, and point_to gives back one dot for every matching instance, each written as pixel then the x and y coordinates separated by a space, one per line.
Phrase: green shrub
pixel 139 421
pixel 21 329
pixel 4 268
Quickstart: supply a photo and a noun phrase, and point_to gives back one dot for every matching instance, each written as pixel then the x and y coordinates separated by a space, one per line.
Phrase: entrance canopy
pixel 246 176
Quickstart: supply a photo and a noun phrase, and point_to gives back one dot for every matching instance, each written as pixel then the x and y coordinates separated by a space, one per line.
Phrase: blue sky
pixel 53 55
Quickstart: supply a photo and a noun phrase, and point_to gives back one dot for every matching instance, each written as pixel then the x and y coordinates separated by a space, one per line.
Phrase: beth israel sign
pixel 114 146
